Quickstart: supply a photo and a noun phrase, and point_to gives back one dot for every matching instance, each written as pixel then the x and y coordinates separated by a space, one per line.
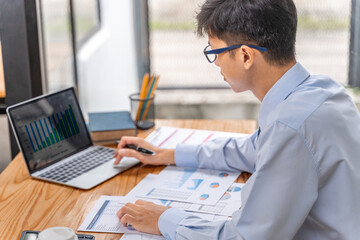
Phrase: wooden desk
pixel 28 204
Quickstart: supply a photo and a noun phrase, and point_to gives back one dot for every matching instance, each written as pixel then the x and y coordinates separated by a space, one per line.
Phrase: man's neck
pixel 266 77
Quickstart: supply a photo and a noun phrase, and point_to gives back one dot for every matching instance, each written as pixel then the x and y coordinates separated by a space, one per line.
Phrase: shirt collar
pixel 281 90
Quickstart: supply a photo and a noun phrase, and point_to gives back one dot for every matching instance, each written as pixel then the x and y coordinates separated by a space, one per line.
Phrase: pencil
pixel 142 95
pixel 150 95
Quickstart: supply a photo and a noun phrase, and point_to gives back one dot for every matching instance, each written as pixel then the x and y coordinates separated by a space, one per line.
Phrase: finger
pixel 129 140
pixel 126 152
pixel 126 209
pixel 117 158
pixel 120 214
pixel 138 142
pixel 127 220
pixel 141 202
pixel 130 209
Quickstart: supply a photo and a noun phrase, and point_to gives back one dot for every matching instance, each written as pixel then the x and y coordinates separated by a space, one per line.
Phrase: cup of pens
pixel 142 104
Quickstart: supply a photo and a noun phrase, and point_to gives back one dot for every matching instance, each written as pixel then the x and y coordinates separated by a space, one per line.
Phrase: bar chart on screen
pixel 50 130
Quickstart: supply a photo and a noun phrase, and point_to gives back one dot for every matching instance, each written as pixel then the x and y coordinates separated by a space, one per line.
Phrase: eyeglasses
pixel 211 55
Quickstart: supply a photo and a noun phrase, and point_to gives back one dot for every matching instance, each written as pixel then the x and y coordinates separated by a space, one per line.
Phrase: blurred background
pixel 104 47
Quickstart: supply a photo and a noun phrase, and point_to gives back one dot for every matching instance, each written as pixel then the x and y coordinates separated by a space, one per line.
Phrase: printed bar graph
pixel 53 129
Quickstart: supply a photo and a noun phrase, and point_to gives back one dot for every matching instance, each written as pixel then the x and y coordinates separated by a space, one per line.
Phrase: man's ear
pixel 247 56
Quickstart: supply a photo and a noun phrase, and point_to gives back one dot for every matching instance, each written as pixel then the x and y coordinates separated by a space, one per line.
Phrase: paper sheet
pixel 228 203
pixel 141 237
pixel 102 217
pixel 168 137
pixel 203 186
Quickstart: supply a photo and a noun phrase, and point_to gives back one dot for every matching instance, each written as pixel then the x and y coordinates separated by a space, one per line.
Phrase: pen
pixel 139 149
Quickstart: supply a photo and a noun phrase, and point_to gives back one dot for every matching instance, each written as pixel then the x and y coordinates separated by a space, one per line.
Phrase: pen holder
pixel 142 111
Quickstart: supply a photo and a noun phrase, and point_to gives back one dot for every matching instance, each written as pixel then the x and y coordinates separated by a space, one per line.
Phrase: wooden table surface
pixel 29 204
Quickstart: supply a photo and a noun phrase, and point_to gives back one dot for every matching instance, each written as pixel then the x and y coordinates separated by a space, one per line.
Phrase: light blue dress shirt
pixel 305 165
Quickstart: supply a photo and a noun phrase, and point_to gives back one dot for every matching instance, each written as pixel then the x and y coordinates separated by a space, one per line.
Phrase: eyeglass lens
pixel 211 57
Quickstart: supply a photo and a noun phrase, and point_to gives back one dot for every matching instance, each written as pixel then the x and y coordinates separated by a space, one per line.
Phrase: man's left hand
pixel 142 216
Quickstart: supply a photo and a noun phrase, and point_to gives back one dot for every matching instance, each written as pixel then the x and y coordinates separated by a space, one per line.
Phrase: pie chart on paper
pixel 204 196
pixel 214 185
pixel 226 196
pixel 223 174
pixel 237 189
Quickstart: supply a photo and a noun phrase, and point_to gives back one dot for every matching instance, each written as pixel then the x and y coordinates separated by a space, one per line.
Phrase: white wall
pixel 107 62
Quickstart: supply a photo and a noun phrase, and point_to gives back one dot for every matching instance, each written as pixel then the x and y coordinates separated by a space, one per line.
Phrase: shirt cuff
pixel 169 220
pixel 185 155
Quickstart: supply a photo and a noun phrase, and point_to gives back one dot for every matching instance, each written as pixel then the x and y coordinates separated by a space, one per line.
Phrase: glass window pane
pixel 323 37
pixel 176 52
pixel 57 44
pixel 86 14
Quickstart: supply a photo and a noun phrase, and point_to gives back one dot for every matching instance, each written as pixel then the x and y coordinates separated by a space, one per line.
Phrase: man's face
pixel 232 66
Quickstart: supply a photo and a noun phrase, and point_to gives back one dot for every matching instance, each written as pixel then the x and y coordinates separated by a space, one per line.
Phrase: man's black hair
pixel 266 23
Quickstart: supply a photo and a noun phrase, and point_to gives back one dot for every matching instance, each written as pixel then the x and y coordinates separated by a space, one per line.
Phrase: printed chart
pixel 228 203
pixel 169 137
pixel 203 186
pixel 102 217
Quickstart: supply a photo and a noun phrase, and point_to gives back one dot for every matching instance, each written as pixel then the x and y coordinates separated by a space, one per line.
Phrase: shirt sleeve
pixel 229 154
pixel 275 200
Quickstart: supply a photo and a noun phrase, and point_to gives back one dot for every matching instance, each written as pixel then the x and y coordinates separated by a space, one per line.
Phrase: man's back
pixel 324 115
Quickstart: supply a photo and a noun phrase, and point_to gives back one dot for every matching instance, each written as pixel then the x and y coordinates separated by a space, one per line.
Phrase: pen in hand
pixel 140 149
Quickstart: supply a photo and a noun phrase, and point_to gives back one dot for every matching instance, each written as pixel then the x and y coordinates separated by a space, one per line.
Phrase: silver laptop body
pixel 56 144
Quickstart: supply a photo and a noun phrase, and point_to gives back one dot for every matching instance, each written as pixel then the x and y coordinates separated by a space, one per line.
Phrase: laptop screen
pixel 49 128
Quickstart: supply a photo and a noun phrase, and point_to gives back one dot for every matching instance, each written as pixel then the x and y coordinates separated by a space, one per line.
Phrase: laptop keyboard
pixel 80 165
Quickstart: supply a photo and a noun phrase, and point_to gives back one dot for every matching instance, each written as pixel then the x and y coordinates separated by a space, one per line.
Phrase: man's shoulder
pixel 318 93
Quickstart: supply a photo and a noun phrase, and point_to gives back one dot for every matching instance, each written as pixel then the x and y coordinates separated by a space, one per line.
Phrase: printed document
pixel 203 186
pixel 103 218
pixel 228 203
pixel 168 137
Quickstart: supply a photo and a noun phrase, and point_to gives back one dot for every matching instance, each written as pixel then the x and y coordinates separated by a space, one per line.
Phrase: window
pixel 57 44
pixel 86 18
pixel 65 26
pixel 323 37
pixel 176 51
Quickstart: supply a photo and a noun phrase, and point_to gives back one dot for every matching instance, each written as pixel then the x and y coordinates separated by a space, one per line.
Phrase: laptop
pixel 56 144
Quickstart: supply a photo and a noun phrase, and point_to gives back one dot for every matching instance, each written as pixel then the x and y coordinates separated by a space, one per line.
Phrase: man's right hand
pixel 161 157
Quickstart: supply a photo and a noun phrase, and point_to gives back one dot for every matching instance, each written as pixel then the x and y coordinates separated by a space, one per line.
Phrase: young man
pixel 305 156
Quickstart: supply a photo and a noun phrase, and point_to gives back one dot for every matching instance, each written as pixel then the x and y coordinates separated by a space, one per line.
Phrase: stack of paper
pixel 209 194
